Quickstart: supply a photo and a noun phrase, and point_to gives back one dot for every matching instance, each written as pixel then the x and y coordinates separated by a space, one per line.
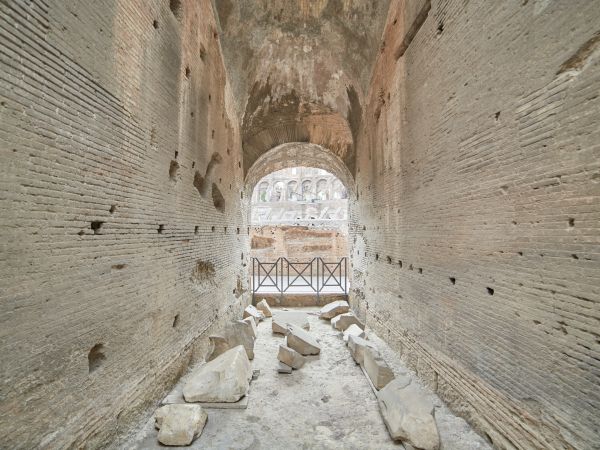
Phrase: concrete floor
pixel 327 404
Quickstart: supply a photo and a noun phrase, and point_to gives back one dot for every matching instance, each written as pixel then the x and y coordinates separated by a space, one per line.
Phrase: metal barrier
pixel 287 277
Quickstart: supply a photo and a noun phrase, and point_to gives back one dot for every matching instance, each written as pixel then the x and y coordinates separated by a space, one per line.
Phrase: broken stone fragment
pixel 240 332
pixel 333 309
pixel 357 346
pixel 282 318
pixel 353 330
pixel 377 369
pixel 224 379
pixel 343 321
pixel 251 311
pixel 264 307
pixel 301 341
pixel 284 368
pixel 252 323
pixel 290 357
pixel 408 414
pixel 179 424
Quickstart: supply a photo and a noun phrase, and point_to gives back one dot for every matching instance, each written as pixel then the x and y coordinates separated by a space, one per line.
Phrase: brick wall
pixel 113 263
pixel 476 248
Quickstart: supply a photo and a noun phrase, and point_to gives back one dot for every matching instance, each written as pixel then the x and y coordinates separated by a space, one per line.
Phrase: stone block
pixel 251 311
pixel 408 414
pixel 290 357
pixel 377 369
pixel 333 309
pixel 353 330
pixel 282 318
pixel 302 341
pixel 240 332
pixel 224 379
pixel 343 321
pixel 264 307
pixel 357 346
pixel 179 424
pixel 284 368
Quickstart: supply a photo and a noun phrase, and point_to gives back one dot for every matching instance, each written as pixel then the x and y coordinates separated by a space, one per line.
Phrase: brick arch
pixel 298 154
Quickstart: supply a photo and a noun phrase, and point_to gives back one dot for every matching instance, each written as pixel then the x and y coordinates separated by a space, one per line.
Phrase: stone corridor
pixel 463 137
pixel 327 404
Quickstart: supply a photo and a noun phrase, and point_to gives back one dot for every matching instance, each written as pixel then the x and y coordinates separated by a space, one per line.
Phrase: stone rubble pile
pixel 224 378
pixel 406 411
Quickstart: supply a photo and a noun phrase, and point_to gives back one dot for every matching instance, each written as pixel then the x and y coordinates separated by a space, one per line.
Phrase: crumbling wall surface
pixel 119 247
pixel 476 238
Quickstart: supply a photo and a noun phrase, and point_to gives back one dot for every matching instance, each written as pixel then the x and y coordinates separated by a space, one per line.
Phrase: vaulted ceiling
pixel 300 69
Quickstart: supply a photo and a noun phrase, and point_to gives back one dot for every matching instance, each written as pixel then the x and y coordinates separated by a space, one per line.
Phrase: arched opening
pixel 298 216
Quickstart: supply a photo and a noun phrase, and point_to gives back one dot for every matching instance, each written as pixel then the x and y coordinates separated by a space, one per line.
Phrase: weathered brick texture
pixel 476 245
pixel 107 111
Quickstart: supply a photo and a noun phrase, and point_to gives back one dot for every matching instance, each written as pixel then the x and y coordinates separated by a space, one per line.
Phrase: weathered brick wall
pixel 476 236
pixel 113 264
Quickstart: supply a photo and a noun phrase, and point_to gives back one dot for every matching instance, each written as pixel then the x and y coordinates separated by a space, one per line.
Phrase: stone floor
pixel 327 404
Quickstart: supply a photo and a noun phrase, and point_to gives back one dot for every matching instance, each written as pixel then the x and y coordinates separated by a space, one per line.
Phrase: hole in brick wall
pixel 176 8
pixel 490 291
pixel 228 151
pixel 212 134
pixel 420 270
pixel 218 199
pixel 497 115
pixel 537 322
pixel 96 357
pixel 237 230
pixel 240 164
pixel 192 113
pixel 574 256
pixel 410 267
pixel 571 222
pixel 202 52
pixel 242 257
pixel 389 259
pixel 225 230
pixel 173 168
pixel 155 24
pixel 176 154
pixel 196 229
pixel 248 230
pixel 175 320
pixel 118 266
pixel 188 72
pixel 520 253
pixel 160 229
pixel 452 280
pixel 209 97
pixel 96 225
pixel 376 256
pixel 440 27
pixel 81 232
pixel 212 228
pixel 193 164
pixel 400 263
pixel 112 209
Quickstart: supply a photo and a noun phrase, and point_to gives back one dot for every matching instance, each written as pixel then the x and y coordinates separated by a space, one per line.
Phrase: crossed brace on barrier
pixel 315 276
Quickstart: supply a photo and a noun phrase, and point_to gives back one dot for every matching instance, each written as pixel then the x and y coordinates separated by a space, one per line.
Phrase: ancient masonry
pixel 466 135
